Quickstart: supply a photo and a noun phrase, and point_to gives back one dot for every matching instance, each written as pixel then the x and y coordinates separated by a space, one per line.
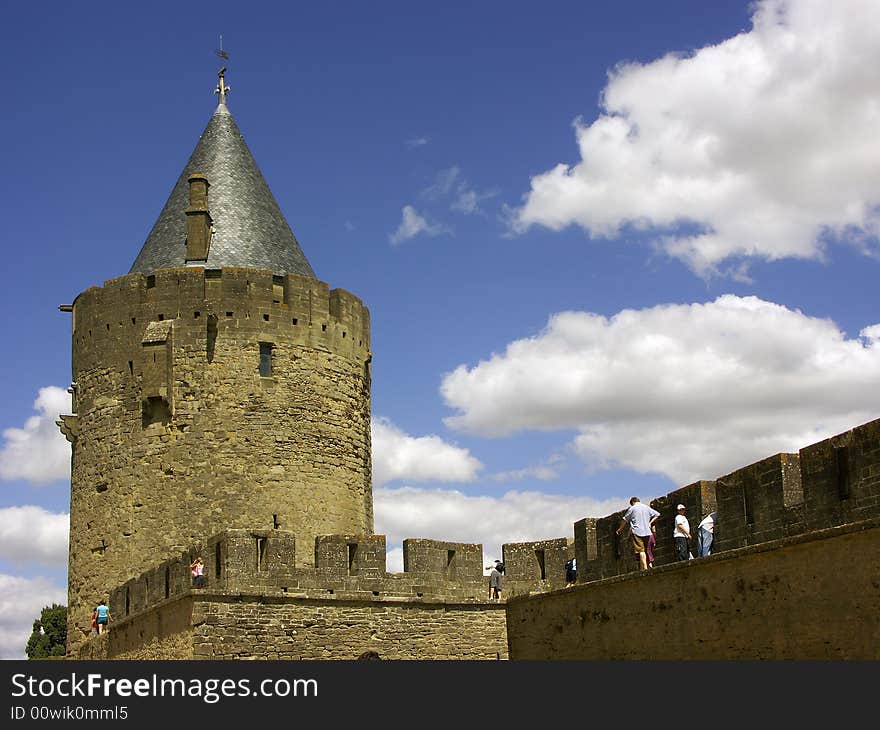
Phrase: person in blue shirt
pixel 104 616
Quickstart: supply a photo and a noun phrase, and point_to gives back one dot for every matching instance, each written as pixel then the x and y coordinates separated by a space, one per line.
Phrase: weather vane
pixel 222 89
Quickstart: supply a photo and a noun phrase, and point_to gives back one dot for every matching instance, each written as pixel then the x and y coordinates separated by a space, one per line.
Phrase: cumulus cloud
pixel 38 452
pixel 33 535
pixel 397 455
pixel 762 146
pixel 414 224
pixel 442 514
pixel 689 391
pixel 21 600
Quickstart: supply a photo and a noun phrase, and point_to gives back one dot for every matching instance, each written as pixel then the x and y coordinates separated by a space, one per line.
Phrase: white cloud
pixel 441 514
pixel 21 600
pixel 542 472
pixel 414 224
pixel 690 391
pixel 397 455
pixel 463 198
pixel 765 144
pixel 33 535
pixel 417 142
pixel 38 452
pixel 444 183
pixel 467 200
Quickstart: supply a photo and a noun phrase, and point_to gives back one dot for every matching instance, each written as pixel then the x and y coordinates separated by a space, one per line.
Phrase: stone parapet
pixel 833 482
pixel 803 597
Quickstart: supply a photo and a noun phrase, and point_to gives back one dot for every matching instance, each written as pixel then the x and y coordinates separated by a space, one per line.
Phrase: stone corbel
pixel 69 426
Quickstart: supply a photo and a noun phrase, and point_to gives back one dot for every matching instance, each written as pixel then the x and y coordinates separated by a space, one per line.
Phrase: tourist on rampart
pixel 197 568
pixel 571 573
pixel 706 534
pixel 103 617
pixel 640 518
pixel 681 533
pixel 495 580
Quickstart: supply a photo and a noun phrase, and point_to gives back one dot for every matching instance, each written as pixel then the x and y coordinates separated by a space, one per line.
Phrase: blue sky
pixel 608 248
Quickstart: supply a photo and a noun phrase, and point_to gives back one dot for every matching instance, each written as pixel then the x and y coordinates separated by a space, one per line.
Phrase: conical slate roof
pixel 249 228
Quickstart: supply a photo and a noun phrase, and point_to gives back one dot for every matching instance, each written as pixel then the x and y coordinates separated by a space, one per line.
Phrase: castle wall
pixel 768 590
pixel 833 482
pixel 255 602
pixel 242 627
pixel 813 596
pixel 535 566
pixel 178 435
pixel 760 502
pixel 841 477
pixel 213 624
pixel 350 567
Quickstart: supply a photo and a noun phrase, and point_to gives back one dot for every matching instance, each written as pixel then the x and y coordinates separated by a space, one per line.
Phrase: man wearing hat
pixel 681 534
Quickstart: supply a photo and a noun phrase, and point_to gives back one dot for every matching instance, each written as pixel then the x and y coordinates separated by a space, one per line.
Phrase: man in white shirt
pixel 641 519
pixel 681 533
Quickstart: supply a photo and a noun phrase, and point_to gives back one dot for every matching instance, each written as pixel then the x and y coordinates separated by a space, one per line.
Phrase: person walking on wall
pixel 706 534
pixel 495 580
pixel 103 617
pixel 197 568
pixel 649 548
pixel 681 533
pixel 571 573
pixel 641 518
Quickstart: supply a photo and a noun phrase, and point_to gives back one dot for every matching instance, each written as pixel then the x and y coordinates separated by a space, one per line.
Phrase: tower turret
pixel 218 385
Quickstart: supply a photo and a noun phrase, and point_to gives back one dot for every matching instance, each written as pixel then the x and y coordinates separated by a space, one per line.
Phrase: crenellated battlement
pixel 255 303
pixel 347 567
pixel 833 482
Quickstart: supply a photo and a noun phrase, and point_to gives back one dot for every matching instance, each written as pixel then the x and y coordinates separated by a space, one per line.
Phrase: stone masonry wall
pixel 240 627
pixel 256 602
pixel 215 624
pixel 760 502
pixel 177 435
pixel 535 566
pixel 813 596
pixel 163 632
pixel 841 477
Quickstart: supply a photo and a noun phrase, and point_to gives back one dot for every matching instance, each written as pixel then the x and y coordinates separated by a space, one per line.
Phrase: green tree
pixel 49 636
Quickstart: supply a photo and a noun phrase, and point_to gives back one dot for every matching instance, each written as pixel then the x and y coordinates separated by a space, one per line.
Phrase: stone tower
pixel 217 385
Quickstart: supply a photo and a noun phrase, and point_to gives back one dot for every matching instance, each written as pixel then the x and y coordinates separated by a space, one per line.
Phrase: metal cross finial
pixel 222 89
